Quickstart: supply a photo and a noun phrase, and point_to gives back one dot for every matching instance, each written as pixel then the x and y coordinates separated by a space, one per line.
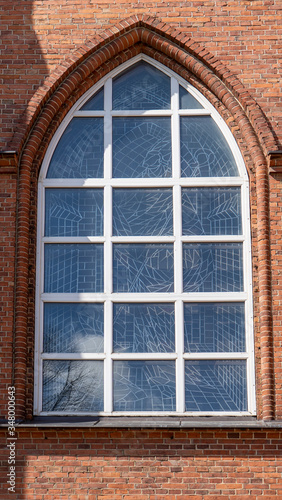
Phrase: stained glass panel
pixel 144 328
pixel 214 327
pixel 73 327
pixel 215 267
pixel 143 268
pixel 80 151
pixel 74 212
pixel 216 385
pixel 211 211
pixel 187 101
pixel 204 150
pixel 95 103
pixel 141 87
pixel 142 147
pixel 73 268
pixel 140 212
pixel 73 386
pixel 144 385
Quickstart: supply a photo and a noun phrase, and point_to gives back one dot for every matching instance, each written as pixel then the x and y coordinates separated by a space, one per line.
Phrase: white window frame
pixel 177 297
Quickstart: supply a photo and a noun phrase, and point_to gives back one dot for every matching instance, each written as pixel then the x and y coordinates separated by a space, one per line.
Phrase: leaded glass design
pixel 144 386
pixel 216 385
pixel 214 267
pixel 144 328
pixel 73 327
pixel 211 211
pixel 74 212
pixel 139 212
pixel 141 147
pixel 144 295
pixel 80 151
pixel 204 150
pixel 143 268
pixel 73 386
pixel 141 87
pixel 218 327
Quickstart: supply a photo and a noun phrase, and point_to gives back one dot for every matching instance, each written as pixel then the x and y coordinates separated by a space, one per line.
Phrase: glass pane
pixel 144 328
pixel 215 267
pixel 142 147
pixel 73 268
pixel 187 101
pixel 74 212
pixel 73 327
pixel 204 149
pixel 211 211
pixel 214 327
pixel 95 103
pixel 141 87
pixel 80 151
pixel 144 385
pixel 216 385
pixel 143 268
pixel 138 212
pixel 73 386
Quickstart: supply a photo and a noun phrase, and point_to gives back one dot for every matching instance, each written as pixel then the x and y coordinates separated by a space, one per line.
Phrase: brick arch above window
pixel 86 66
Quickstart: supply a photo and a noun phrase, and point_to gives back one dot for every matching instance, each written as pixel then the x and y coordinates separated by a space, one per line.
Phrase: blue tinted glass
pixel 211 211
pixel 74 386
pixel 144 327
pixel 73 268
pixel 74 212
pixel 80 151
pixel 95 103
pixel 73 327
pixel 142 147
pixel 215 267
pixel 141 87
pixel 187 101
pixel 204 149
pixel 215 385
pixel 144 385
pixel 214 327
pixel 143 268
pixel 138 212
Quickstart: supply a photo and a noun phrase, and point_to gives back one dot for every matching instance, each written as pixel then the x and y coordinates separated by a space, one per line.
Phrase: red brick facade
pixel 54 53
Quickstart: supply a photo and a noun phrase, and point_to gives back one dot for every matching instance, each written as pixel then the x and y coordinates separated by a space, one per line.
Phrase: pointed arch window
pixel 143 290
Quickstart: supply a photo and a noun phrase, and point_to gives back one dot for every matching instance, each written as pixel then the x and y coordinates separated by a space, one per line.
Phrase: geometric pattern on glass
pixel 74 212
pixel 138 212
pixel 73 386
pixel 218 327
pixel 80 151
pixel 187 101
pixel 214 267
pixel 144 386
pixel 144 328
pixel 216 385
pixel 211 211
pixel 73 268
pixel 204 150
pixel 143 268
pixel 95 103
pixel 141 87
pixel 73 327
pixel 141 147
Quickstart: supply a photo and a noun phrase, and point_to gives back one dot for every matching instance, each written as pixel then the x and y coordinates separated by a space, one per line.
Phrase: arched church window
pixel 144 276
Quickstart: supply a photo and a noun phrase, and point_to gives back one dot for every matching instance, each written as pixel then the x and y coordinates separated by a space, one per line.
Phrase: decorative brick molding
pixel 69 82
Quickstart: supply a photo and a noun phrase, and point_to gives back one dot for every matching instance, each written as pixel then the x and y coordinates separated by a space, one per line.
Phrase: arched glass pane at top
pixel 139 212
pixel 204 150
pixel 95 103
pixel 141 87
pixel 73 327
pixel 80 151
pixel 142 147
pixel 214 327
pixel 187 101
pixel 144 328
